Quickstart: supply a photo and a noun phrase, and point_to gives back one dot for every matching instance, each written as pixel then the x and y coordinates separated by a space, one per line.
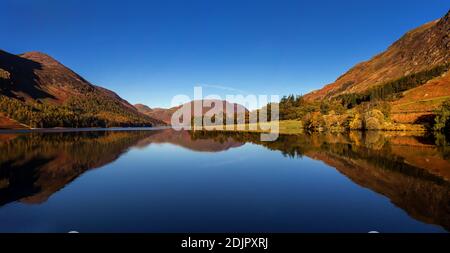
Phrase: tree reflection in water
pixel 412 171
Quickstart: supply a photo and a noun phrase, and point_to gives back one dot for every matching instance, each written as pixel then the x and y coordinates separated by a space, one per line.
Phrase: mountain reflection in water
pixel 411 171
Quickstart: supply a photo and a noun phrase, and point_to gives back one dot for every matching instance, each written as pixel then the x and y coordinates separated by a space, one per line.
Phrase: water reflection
pixel 411 171
pixel 36 165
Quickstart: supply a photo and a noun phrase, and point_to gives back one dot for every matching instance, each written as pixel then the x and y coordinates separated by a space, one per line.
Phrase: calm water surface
pixel 169 181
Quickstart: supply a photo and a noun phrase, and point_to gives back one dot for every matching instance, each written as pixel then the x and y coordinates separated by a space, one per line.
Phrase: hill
pixel 420 49
pixel 404 85
pixel 166 114
pixel 38 91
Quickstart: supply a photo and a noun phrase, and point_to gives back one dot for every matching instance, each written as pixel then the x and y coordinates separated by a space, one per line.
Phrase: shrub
pixel 314 121
pixel 377 114
pixel 4 74
pixel 372 123
pixel 356 123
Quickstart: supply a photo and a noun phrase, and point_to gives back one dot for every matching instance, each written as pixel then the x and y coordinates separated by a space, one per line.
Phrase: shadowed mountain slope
pixel 38 91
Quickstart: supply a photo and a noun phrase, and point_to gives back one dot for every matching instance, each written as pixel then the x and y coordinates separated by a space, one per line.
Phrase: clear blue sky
pixel 149 51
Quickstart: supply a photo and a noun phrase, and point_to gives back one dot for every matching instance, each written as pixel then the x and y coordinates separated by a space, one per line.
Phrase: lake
pixel 179 181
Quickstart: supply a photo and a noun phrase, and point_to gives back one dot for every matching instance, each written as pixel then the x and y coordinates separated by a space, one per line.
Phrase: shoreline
pixel 286 127
pixel 87 129
pixel 296 127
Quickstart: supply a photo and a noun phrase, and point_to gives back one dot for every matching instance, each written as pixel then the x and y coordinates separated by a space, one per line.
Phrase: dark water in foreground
pixel 168 181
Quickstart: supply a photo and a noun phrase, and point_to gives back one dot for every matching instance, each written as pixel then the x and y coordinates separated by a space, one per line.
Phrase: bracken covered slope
pixel 420 49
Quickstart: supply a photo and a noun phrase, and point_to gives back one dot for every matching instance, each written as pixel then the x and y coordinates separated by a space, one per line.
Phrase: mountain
pixel 420 57
pixel 165 115
pixel 418 50
pixel 38 91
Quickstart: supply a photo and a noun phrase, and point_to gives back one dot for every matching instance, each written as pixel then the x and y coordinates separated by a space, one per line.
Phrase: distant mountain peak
pixel 143 108
pixel 41 58
pixel 36 54
pixel 165 115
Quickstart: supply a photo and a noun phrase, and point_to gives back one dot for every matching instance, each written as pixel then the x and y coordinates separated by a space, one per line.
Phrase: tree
pixel 314 121
pixel 442 120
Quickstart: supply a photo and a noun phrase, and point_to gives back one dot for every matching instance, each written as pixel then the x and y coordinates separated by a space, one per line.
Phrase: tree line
pixel 393 89
pixel 93 110
pixel 368 110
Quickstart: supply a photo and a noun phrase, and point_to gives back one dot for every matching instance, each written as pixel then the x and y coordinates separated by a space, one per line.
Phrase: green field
pixel 284 126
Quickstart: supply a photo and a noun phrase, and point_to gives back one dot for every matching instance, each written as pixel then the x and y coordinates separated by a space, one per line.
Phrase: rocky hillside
pixel 420 49
pixel 166 114
pixel 38 91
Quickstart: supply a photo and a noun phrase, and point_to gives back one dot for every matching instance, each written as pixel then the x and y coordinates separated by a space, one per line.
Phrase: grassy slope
pixel 285 127
pixel 422 100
